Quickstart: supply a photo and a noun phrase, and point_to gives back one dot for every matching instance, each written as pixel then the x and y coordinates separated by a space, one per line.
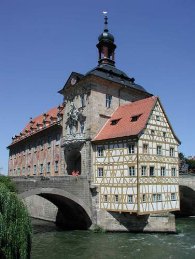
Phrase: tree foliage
pixel 8 183
pixel 191 163
pixel 15 226
pixel 186 163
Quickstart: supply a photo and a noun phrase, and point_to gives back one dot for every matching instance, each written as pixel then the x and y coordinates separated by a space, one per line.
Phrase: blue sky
pixel 43 41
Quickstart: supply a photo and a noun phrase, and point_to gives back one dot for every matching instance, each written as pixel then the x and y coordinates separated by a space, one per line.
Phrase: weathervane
pixel 105 20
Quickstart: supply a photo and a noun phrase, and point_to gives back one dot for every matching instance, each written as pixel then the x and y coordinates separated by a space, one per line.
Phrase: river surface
pixel 50 243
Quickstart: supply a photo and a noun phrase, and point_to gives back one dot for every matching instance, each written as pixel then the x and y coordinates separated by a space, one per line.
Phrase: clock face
pixel 73 81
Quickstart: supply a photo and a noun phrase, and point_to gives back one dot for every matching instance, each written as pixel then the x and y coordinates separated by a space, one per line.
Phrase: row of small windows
pixel 35 169
pixel 163 171
pixel 40 143
pixel 131 150
pixel 144 171
pixel 155 197
pixel 116 198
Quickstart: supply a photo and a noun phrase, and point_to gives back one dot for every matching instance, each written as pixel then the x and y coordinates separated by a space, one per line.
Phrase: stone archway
pixel 73 213
pixel 187 202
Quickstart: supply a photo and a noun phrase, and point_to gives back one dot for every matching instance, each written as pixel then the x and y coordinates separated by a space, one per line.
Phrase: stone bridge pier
pixel 65 200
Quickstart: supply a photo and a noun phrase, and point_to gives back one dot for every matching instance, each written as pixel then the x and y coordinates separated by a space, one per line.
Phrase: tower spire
pixel 105 21
pixel 106 45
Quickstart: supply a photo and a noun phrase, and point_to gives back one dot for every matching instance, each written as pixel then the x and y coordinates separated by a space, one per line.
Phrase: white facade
pixel 139 175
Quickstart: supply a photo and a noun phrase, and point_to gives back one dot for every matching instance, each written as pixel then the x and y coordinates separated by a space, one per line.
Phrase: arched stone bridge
pixel 71 195
pixel 73 198
pixel 187 195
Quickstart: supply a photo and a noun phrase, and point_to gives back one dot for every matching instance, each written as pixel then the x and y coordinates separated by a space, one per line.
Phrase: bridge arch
pixel 187 201
pixel 73 213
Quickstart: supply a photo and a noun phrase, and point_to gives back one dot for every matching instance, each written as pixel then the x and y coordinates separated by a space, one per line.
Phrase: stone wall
pixel 114 221
pixel 41 208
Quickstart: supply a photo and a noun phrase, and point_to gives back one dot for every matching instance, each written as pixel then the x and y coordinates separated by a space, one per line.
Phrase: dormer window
pixel 135 117
pixel 114 122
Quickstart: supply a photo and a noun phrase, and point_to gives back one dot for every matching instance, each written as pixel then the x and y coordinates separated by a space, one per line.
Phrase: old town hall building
pixel 111 130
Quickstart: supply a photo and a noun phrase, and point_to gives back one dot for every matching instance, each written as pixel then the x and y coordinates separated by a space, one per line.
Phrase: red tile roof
pixel 40 123
pixel 124 126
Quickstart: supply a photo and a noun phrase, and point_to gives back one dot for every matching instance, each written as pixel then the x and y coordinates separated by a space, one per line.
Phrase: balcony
pixel 76 138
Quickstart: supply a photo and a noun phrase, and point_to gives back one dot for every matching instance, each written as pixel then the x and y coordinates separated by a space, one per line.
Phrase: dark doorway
pixel 73 160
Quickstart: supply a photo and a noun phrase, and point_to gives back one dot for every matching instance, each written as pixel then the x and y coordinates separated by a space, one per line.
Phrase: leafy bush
pixel 15 226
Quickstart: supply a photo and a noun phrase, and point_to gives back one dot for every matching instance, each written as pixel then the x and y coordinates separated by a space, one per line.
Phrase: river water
pixel 50 243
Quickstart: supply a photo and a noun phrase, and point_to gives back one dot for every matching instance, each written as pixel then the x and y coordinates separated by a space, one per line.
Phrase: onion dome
pixel 106 35
pixel 106 45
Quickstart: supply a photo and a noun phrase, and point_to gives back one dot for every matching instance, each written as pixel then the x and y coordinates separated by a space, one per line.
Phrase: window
pixel 131 148
pixel 29 148
pixel 100 151
pixel 132 170
pixel 162 171
pixel 42 144
pixel 41 168
pixel 164 134
pixel 82 126
pixel 14 171
pixel 171 151
pixel 143 198
pixel 108 100
pixel 159 197
pixel 57 139
pixel 35 147
pixel 159 150
pixel 100 172
pixel 151 170
pixel 23 170
pixel 82 100
pixel 49 141
pixel 173 196
pixel 48 167
pixel 105 198
pixel 143 168
pixel 130 198
pixel 135 118
pixel 154 197
pixel 35 169
pixel 157 117
pixel 56 166
pixel 145 148
pixel 18 170
pixel 28 169
pixel 116 198
pixel 173 171
pixel 114 122
pixel 152 133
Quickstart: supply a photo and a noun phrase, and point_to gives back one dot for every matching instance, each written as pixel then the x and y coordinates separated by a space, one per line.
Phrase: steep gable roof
pixel 128 120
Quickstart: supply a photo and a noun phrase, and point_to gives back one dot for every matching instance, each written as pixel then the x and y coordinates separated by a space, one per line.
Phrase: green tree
pixel 15 226
pixel 8 183
pixel 191 164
